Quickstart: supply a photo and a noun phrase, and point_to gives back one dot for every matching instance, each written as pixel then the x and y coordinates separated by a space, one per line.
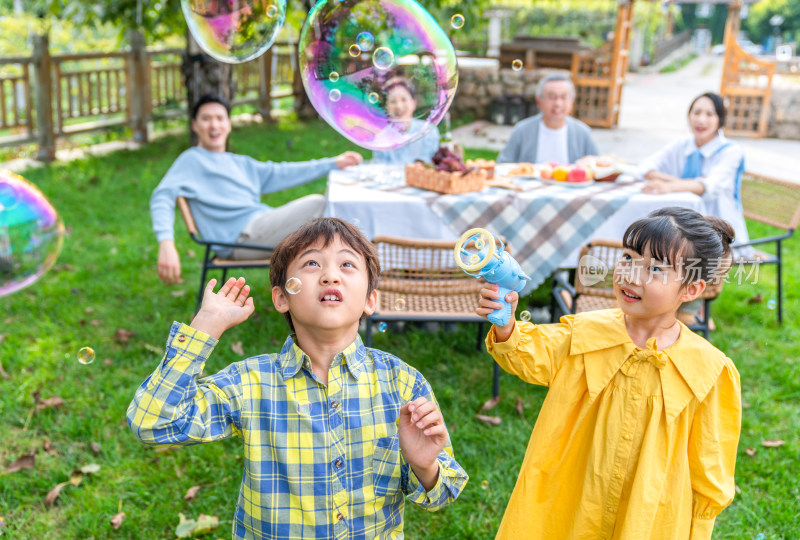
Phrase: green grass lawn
pixel 105 280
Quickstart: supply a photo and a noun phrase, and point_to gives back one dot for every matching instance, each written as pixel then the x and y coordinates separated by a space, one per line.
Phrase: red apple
pixel 577 174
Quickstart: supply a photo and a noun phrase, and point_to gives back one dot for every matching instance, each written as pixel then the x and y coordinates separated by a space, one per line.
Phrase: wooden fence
pixel 45 97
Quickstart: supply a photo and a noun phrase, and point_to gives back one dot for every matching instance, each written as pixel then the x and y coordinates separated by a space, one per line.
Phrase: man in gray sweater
pixel 224 192
pixel 552 135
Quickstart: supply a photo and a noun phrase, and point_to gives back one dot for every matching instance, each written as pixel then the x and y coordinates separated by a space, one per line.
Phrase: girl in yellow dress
pixel 637 436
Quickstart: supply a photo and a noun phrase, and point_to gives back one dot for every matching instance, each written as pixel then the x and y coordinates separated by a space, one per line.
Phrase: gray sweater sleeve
pixel 275 176
pixel 162 201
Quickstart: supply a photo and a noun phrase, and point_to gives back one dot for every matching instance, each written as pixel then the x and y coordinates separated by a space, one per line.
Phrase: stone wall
pixel 478 85
pixel 784 118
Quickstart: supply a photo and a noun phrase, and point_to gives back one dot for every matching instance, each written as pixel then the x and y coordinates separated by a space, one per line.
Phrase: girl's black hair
pixel 697 246
pixel 719 106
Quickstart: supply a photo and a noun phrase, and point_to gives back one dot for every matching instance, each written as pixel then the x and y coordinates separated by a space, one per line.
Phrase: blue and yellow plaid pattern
pixel 320 462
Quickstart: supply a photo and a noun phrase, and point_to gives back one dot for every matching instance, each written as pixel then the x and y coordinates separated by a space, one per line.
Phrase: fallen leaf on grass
pixel 154 349
pixel 773 444
pixel 94 322
pixel 2 524
pixel 520 406
pixel 53 494
pixel 76 478
pixel 757 299
pixel 48 447
pixel 123 336
pixel 95 447
pixel 179 292
pixel 26 461
pixel 750 451
pixel 737 489
pixel 116 521
pixel 91 468
pixel 191 493
pixel 190 527
pixel 490 404
pixel 55 402
pixel 492 420
pixel 237 348
pixel 3 373
pixel 191 253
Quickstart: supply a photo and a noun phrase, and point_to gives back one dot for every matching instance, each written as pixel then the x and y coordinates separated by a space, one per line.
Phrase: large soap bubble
pixel 234 31
pixel 30 233
pixel 392 66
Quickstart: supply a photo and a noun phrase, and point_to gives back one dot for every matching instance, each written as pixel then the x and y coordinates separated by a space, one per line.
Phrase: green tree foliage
pixel 758 25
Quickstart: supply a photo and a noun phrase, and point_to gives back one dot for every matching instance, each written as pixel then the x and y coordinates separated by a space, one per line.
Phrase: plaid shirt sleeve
pixel 173 407
pixel 452 477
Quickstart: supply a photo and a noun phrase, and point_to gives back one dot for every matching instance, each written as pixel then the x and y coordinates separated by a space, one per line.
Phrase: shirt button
pixel 338 463
pixel 339 516
pixel 181 338
pixel 617 475
pixel 610 508
pixel 635 397
pixel 334 404
pixel 627 436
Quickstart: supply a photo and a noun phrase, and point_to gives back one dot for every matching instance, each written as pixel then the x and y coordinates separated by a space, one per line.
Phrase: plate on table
pixel 567 183
pixel 523 171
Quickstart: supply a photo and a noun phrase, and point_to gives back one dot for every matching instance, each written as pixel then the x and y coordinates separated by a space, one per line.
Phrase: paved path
pixel 653 113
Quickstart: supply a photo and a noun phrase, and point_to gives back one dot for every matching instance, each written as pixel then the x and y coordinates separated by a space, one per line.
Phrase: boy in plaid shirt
pixel 335 435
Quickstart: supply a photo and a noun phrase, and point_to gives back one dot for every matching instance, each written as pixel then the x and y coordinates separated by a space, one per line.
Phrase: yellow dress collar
pixel 689 367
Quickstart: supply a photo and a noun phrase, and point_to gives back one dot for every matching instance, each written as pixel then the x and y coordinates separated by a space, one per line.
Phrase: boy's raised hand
pixel 224 309
pixel 488 303
pixel 422 436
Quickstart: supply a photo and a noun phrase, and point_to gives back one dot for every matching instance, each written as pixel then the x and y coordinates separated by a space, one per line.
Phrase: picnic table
pixel 544 223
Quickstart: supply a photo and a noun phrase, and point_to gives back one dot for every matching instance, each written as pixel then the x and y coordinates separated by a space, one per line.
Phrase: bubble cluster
pixel 382 326
pixel 457 21
pixel 525 316
pixel 234 31
pixel 516 65
pixel 379 49
pixel 293 285
pixel 30 233
pixel 86 355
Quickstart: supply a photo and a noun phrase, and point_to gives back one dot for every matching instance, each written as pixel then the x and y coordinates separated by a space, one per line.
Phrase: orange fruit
pixel 560 173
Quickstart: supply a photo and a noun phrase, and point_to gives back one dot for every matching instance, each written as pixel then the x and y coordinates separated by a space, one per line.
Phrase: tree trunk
pixel 302 105
pixel 204 75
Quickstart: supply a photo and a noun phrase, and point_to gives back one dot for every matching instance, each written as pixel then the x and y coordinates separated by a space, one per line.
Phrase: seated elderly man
pixel 224 192
pixel 551 135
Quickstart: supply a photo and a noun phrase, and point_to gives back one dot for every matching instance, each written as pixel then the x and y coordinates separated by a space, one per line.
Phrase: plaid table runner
pixel 543 224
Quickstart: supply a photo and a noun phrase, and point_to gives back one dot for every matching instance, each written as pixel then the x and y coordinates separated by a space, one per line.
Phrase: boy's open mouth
pixel 331 295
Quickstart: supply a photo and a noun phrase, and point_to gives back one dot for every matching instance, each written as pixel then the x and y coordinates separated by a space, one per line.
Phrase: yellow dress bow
pixel 649 354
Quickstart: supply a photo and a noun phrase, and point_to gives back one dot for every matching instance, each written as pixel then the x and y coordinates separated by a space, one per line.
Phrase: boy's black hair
pixel 325 230
pixel 210 98
pixel 696 245
pixel 719 106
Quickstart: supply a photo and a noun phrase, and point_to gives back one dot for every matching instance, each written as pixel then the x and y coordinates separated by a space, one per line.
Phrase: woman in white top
pixel 706 163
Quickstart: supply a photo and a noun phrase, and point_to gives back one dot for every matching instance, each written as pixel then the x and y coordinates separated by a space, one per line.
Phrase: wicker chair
pixel 210 260
pixel 420 282
pixel 776 203
pixel 594 285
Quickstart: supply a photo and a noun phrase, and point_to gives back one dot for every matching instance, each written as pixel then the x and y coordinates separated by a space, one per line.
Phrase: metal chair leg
pixel 480 336
pixel 780 283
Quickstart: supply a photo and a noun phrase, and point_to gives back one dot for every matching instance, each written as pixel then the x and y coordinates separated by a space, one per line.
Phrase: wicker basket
pixel 420 176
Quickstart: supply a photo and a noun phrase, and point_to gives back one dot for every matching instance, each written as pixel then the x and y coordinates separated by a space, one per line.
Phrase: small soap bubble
pixel 354 50
pixel 516 65
pixel 382 326
pixel 234 32
pixel 31 233
pixel 365 41
pixel 760 536
pixel 485 484
pixel 383 58
pixel 86 355
pixel 373 97
pixel 333 76
pixel 457 21
pixel 293 285
pixel 335 95
pixel 525 316
pixel 400 304
pixel 772 304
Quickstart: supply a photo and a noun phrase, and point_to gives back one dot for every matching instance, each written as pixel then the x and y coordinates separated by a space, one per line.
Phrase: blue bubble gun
pixel 477 254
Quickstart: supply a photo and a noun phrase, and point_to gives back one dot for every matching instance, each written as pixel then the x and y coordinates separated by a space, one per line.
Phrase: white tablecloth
pixel 376 199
